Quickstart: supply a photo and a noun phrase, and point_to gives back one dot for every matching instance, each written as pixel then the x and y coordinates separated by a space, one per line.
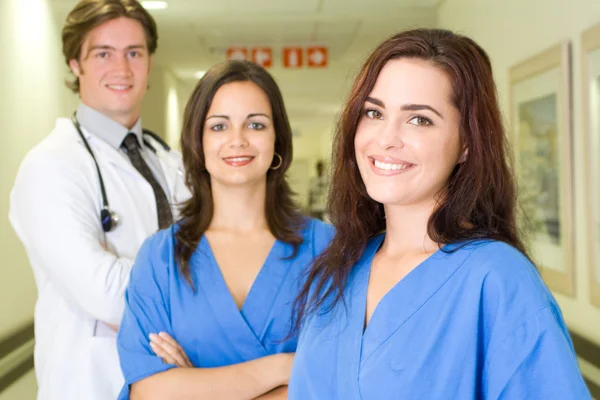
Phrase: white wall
pixel 174 111
pixel 32 95
pixel 512 31
pixel 161 112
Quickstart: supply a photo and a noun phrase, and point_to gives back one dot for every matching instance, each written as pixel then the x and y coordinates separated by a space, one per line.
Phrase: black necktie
pixel 132 146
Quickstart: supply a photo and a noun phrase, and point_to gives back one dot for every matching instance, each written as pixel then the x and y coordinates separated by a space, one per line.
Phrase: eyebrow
pixel 107 47
pixel 249 116
pixel 258 115
pixel 418 107
pixel 377 102
pixel 407 107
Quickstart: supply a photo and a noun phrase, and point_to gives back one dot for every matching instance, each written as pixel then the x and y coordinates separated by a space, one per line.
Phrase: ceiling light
pixel 155 5
pixel 199 74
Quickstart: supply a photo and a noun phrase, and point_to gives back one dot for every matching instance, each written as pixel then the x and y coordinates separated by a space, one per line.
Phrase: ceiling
pixel 195 34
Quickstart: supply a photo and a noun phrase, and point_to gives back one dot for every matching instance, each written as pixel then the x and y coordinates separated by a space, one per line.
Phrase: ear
pixel 463 156
pixel 149 63
pixel 75 68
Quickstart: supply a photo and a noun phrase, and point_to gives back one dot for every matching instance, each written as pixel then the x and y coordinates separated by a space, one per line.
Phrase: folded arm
pixel 251 377
pixel 247 380
pixel 280 393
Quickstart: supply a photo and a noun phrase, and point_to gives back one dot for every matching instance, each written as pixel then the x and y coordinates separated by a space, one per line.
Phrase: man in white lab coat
pixel 81 257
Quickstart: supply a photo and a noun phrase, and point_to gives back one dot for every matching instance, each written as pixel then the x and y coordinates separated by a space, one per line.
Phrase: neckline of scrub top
pixel 414 289
pixel 261 295
pixel 409 294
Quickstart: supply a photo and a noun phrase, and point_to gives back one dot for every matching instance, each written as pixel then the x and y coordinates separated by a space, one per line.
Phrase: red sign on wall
pixel 317 57
pixel 292 57
pixel 237 53
pixel 262 56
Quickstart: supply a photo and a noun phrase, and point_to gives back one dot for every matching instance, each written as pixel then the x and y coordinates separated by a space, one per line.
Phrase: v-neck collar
pixel 393 310
pixel 351 323
pixel 266 287
pixel 407 296
pixel 246 326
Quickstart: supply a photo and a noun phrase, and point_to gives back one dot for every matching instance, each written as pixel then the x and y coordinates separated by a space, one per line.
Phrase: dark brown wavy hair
pixel 480 195
pixel 283 215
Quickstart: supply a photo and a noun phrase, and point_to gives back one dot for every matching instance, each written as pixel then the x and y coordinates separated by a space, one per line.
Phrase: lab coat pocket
pixel 102 378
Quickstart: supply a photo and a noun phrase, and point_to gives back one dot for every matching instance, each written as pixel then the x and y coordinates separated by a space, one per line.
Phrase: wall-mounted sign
pixel 292 57
pixel 262 56
pixel 237 53
pixel 317 57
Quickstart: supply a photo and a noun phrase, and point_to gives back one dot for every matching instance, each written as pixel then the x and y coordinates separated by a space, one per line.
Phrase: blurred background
pixel 313 48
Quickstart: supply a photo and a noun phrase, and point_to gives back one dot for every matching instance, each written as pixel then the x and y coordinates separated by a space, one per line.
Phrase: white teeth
pixel 390 167
pixel 239 159
pixel 118 87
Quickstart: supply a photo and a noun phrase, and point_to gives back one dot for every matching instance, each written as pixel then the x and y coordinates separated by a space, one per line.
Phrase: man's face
pixel 113 69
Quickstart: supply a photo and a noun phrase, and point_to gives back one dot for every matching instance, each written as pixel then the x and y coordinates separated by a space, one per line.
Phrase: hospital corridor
pixel 430 166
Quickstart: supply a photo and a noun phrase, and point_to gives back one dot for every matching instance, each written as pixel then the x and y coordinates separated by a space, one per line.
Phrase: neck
pixel 239 208
pixel 128 121
pixel 126 118
pixel 406 229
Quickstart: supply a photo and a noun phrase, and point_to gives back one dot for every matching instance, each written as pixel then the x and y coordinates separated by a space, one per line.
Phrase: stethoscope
pixel 108 218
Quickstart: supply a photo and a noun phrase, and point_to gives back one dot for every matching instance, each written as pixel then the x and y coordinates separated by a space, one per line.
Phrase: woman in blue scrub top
pixel 426 291
pixel 214 292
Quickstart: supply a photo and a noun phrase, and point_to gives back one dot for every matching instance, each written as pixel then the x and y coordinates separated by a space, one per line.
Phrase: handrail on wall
pixel 16 356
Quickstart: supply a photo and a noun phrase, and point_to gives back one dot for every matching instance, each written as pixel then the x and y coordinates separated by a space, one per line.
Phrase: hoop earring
pixel 280 162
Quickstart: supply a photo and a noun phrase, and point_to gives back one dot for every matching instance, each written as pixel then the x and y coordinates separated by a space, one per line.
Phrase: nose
pixel 122 65
pixel 238 138
pixel 390 135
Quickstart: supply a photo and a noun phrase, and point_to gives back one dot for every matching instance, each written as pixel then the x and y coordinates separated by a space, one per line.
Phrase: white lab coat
pixel 55 210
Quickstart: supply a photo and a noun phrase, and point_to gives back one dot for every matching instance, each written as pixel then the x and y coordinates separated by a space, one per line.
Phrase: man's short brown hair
pixel 89 14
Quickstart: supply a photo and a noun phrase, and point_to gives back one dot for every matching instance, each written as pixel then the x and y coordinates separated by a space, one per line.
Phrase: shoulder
pixel 155 259
pixel 61 139
pixel 503 268
pixel 510 287
pixel 159 246
pixel 492 250
pixel 316 227
pixel 59 165
pixel 59 150
pixel 317 233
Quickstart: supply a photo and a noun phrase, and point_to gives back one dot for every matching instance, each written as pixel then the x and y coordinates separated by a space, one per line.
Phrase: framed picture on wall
pixel 590 53
pixel 540 110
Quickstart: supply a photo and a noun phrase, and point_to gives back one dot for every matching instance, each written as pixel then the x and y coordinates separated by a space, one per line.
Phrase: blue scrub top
pixel 471 322
pixel 207 323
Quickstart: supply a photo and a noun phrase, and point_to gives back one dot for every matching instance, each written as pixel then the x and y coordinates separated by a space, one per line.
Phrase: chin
pixel 387 197
pixel 120 109
pixel 234 180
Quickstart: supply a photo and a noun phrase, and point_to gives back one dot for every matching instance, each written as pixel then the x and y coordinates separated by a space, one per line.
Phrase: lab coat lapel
pixel 351 324
pixel 212 283
pixel 406 298
pixel 265 289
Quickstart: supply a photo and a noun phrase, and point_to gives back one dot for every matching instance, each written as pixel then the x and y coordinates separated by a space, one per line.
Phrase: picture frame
pixel 541 137
pixel 590 68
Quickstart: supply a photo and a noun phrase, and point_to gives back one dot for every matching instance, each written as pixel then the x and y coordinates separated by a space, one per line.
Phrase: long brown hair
pixel 480 195
pixel 283 216
pixel 89 14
